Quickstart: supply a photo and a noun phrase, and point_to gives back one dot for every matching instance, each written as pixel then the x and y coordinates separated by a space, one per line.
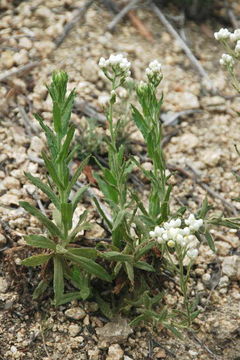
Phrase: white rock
pixel 231 267
pixel 90 70
pixel 21 57
pixel 75 313
pixel 44 47
pixel 25 43
pixel 11 183
pixel 37 144
pixel 7 59
pixel 222 247
pixel 211 156
pixel 116 330
pixel 3 285
pixel 74 329
pixel 115 352
pixel 188 141
pixel 178 101
pixel 127 358
pixel 93 354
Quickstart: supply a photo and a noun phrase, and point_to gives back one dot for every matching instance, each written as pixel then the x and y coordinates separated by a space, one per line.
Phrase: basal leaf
pixel 90 266
pixel 36 260
pixel 40 242
pixel 52 228
pixel 45 188
pixel 58 279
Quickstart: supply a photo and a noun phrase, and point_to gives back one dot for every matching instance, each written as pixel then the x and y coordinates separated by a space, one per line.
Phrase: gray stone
pixel 117 330
pixel 231 267
pixel 75 313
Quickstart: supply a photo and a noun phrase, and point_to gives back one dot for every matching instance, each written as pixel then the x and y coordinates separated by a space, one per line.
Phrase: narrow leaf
pixel 58 280
pixel 52 228
pixel 40 242
pixel 45 188
pixel 90 266
pixel 36 260
pixel 144 266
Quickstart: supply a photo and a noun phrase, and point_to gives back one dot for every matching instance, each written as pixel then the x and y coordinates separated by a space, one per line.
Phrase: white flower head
pixel 226 60
pixel 154 68
pixel 222 34
pixel 171 243
pixel 235 36
pixel 192 253
pixel 237 48
pixel 117 64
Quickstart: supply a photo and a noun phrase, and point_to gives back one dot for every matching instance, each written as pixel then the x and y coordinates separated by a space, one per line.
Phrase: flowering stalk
pixel 148 122
pixel 113 183
pixel 67 261
pixel 177 239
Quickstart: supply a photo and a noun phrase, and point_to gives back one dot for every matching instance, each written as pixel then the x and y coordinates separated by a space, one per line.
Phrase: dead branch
pixel 195 177
pixel 121 14
pixel 183 45
pixel 89 110
pixel 19 70
pixel 139 25
pixel 70 25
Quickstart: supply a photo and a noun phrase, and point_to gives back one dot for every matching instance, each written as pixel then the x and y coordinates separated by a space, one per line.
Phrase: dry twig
pixel 139 25
pixel 183 45
pixel 198 181
pixel 121 14
pixel 19 70
pixel 70 25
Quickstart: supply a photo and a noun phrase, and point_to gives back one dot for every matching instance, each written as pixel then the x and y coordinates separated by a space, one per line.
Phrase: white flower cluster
pixel 172 234
pixel 116 63
pixel 235 36
pixel 222 34
pixel 226 60
pixel 153 69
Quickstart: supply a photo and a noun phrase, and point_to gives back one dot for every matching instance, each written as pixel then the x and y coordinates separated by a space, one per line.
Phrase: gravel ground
pixel 203 140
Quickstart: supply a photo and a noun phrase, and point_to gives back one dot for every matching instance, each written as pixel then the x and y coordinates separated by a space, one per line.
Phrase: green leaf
pixel 104 307
pixel 65 147
pixel 142 250
pixel 67 109
pixel 144 266
pixel 130 272
pixel 116 256
pixel 52 228
pixel 66 298
pixel 40 289
pixel 45 188
pixel 136 321
pixel 51 138
pixel 58 280
pixel 110 191
pixel 119 219
pixel 165 205
pixel 56 110
pixel 204 209
pixel 78 196
pixel 102 214
pixel 85 252
pixel 36 260
pixel 52 171
pixel 140 122
pixel 90 266
pixel 210 241
pixel 40 242
pixel 80 225
pixel 67 213
pixel 77 174
pixel 82 281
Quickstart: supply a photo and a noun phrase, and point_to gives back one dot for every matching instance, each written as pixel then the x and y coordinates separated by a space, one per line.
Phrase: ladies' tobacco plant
pixel 75 264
